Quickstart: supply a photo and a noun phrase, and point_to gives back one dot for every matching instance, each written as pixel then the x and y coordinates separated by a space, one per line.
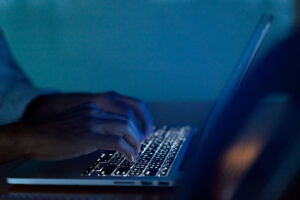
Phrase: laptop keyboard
pixel 156 158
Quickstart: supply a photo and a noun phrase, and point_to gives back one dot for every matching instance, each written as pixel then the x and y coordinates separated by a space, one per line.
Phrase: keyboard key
pixel 106 156
pixel 156 158
pixel 107 169
pixel 159 157
pixel 123 169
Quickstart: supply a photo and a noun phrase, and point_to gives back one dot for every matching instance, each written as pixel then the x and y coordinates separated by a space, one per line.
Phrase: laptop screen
pixel 239 73
pixel 243 66
pixel 214 136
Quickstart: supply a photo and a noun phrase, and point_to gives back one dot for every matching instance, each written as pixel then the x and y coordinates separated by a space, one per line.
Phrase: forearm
pixel 15 95
pixel 12 142
pixel 16 91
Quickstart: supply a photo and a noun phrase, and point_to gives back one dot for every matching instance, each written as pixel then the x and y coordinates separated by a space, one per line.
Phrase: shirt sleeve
pixel 16 91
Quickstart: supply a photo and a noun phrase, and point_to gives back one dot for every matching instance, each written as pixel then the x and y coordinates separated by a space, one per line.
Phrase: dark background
pixel 159 50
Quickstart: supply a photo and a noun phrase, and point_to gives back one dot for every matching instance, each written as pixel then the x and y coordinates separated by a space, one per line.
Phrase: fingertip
pixel 143 136
pixel 132 159
pixel 138 152
pixel 126 150
pixel 149 133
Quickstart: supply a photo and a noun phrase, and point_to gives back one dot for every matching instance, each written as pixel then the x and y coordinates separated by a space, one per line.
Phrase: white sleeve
pixel 16 91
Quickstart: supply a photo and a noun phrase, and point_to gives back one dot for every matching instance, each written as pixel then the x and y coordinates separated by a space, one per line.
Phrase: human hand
pixel 112 102
pixel 78 131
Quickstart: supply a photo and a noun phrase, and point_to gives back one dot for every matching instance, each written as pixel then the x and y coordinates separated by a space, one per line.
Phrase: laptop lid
pixel 238 75
pixel 208 144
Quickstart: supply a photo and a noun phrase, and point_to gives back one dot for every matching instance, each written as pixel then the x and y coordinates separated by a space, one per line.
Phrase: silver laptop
pixel 161 155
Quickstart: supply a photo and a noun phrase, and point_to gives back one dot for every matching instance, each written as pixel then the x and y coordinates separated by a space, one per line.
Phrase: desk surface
pixel 193 113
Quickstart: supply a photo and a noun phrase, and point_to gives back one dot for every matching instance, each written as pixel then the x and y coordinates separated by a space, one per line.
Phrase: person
pixel 48 125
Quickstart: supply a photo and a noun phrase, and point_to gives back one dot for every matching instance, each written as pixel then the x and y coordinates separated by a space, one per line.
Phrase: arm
pixel 17 94
pixel 77 131
pixel 12 148
pixel 16 91
pixel 72 123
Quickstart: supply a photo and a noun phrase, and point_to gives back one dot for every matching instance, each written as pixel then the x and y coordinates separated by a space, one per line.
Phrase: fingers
pixel 107 103
pixel 127 112
pixel 93 121
pixel 110 104
pixel 124 148
pixel 82 110
pixel 120 127
pixel 139 109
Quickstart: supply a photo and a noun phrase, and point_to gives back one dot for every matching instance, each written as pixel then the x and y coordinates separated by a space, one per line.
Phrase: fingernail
pixel 148 135
pixel 136 153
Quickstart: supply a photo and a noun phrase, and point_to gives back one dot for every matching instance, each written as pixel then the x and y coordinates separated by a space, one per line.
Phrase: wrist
pixel 21 136
pixel 14 142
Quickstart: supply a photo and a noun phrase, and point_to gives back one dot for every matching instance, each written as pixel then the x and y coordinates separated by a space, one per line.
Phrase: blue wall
pixel 160 50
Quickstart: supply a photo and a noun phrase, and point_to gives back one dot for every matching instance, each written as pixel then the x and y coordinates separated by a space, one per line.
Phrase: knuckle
pixel 98 97
pixel 93 105
pixel 111 93
pixel 143 104
pixel 140 103
pixel 90 110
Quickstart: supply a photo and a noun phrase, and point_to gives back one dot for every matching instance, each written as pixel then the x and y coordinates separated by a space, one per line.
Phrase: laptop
pixel 162 155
